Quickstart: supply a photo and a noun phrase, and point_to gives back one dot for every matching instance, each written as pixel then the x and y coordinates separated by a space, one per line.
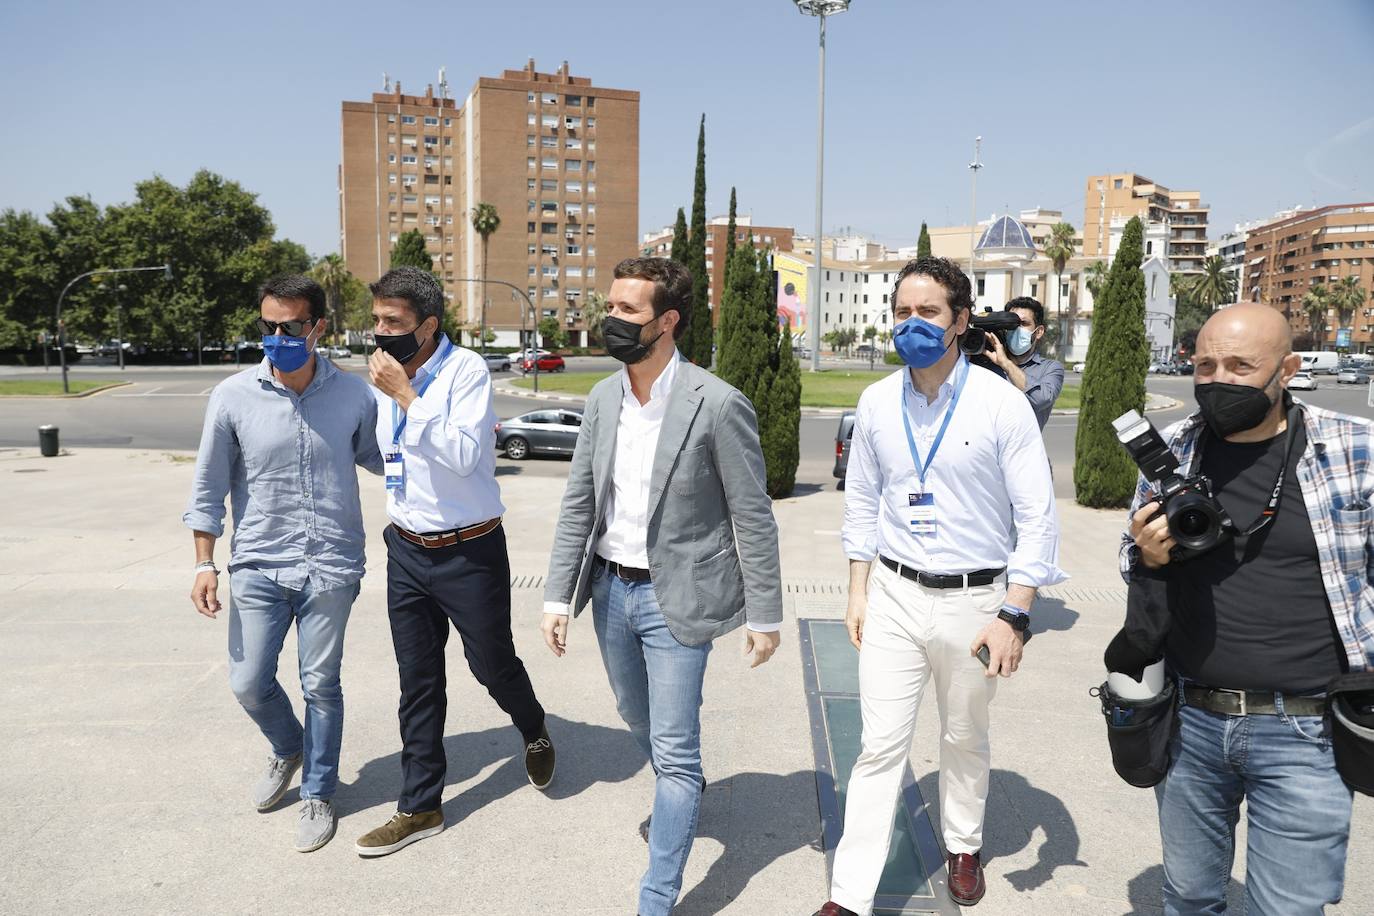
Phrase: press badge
pixel 921 518
pixel 393 465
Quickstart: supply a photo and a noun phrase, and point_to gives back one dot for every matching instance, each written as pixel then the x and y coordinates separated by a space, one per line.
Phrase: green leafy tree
pixel 923 242
pixel 1189 314
pixel 410 251
pixel 1113 380
pixel 1214 286
pixel 730 232
pixel 28 279
pixel 1095 278
pixel 485 221
pixel 696 343
pixel 678 251
pixel 551 334
pixel 1059 248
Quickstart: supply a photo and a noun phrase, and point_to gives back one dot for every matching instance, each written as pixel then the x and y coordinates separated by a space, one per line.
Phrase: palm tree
pixel 333 276
pixel 1095 278
pixel 485 221
pixel 1059 248
pixel 1347 296
pixel 1314 304
pixel 1214 286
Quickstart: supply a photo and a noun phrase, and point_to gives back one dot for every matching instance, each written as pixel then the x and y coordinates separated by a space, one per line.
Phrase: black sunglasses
pixel 291 328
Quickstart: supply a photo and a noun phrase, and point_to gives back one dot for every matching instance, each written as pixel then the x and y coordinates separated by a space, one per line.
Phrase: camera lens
pixel 1193 521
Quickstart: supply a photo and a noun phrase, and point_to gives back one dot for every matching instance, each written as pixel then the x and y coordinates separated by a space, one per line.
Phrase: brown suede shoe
pixel 966 885
pixel 399 832
pixel 832 908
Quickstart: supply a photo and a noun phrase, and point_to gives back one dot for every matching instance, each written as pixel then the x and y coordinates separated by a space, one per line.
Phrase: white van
pixel 1315 362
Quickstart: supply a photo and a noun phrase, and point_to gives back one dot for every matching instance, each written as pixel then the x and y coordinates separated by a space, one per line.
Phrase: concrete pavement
pixel 127 762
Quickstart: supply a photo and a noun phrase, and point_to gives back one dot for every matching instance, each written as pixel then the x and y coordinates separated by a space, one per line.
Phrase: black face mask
pixel 622 339
pixel 1229 409
pixel 402 347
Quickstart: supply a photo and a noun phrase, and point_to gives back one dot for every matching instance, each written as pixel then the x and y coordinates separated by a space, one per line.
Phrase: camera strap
pixel 1272 508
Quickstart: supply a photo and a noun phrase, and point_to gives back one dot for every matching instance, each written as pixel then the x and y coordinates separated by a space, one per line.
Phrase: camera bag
pixel 1139 733
pixel 1350 700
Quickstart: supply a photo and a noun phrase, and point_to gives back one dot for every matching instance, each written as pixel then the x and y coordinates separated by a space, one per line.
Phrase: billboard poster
pixel 791 291
pixel 1343 339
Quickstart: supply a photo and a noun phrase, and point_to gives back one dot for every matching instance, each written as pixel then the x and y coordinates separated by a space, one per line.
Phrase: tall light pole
pixel 528 302
pixel 119 324
pixel 61 332
pixel 974 166
pixel 819 9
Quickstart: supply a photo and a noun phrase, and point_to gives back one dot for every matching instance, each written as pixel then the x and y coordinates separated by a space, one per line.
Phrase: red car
pixel 548 362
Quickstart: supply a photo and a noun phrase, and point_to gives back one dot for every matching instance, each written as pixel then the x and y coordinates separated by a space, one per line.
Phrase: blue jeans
pixel 657 685
pixel 260 613
pixel 1299 814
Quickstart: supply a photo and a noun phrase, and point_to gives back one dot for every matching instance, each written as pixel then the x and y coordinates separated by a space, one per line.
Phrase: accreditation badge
pixel 393 465
pixel 921 514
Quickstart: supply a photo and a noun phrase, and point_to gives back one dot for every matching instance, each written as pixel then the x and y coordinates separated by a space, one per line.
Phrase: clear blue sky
pixel 1259 105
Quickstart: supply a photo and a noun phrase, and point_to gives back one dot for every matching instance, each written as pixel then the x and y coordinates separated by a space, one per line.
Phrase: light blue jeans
pixel 657 685
pixel 1298 823
pixel 260 613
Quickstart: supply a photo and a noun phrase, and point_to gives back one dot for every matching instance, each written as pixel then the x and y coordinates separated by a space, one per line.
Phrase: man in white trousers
pixel 950 528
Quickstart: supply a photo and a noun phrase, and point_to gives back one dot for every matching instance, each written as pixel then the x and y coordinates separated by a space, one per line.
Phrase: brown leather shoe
pixel 832 908
pixel 966 885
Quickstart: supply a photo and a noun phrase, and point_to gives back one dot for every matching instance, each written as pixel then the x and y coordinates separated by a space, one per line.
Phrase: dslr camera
pixel 1197 521
pixel 999 324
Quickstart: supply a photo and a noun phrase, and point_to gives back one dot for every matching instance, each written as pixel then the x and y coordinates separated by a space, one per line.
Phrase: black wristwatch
pixel 1019 619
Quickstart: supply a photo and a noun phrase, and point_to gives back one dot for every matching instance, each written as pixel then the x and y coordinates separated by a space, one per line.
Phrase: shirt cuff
pixel 1034 573
pixel 765 627
pixel 556 607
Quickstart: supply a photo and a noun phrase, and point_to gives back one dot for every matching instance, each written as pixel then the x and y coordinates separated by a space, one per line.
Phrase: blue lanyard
pixel 923 468
pixel 398 419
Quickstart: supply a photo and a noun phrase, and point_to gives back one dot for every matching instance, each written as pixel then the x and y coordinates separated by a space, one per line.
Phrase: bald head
pixel 1246 344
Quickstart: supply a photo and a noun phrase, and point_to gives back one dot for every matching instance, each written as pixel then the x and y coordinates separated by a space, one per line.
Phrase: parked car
pixel 865 350
pixel 548 362
pixel 801 352
pixel 539 432
pixel 1078 367
pixel 1158 368
pixel 1354 376
pixel 1304 381
pixel 842 437
pixel 497 362
pixel 1184 368
pixel 338 352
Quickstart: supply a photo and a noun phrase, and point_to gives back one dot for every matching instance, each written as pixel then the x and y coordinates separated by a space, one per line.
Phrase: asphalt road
pixel 164 407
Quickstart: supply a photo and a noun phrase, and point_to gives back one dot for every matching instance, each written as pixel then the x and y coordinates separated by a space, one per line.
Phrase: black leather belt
pixel 1251 702
pixel 628 573
pixel 936 580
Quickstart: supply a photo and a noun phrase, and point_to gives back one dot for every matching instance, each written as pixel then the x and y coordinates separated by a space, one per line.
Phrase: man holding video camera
pixel 1040 377
pixel 1268 600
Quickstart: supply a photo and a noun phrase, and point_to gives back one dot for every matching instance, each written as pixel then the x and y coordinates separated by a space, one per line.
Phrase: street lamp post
pixel 61 333
pixel 528 302
pixel 974 166
pixel 819 9
pixel 119 325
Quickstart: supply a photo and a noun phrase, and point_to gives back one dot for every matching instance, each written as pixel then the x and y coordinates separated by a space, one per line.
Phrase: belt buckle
pixel 1239 693
pixel 431 538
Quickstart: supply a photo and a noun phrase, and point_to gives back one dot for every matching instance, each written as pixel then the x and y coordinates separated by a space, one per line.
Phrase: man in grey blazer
pixel 667 527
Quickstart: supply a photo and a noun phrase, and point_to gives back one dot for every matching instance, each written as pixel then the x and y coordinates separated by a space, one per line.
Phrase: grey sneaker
pixel 274 783
pixel 316 825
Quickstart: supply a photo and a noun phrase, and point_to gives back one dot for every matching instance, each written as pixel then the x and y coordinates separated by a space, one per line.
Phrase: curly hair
pixel 416 286
pixel 672 286
pixel 1032 305
pixel 943 271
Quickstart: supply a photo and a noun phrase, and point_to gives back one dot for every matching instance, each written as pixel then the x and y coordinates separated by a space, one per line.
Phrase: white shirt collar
pixel 432 364
pixel 946 387
pixel 661 386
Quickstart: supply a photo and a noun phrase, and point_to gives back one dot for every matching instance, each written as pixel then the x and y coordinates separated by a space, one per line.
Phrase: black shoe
pixel 539 760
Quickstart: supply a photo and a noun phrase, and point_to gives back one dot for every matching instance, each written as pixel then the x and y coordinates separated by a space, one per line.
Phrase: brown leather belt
pixel 628 573
pixel 448 538
pixel 1251 702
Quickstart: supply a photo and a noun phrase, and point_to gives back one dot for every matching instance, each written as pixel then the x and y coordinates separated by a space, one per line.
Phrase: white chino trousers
pixel 911 635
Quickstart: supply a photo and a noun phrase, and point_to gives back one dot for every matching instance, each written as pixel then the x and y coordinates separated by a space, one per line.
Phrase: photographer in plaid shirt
pixel 1259 626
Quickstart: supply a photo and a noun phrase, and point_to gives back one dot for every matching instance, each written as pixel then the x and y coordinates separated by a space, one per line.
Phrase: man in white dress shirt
pixel 446 549
pixel 949 491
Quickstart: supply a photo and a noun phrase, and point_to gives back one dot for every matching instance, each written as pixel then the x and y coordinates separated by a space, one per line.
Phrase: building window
pixel 391 198
pixel 550 98
pixel 431 121
pixel 865 303
pixel 827 316
pixel 549 120
pixel 391 178
pixel 391 158
pixel 827 275
pixel 529 140
pixel 591 122
pixel 841 297
pixel 530 119
pixel 1116 184
pixel 549 184
pixel 409 160
pixel 574 165
pixel 981 285
pixel 529 206
pixel 548 142
pixel 574 187
pixel 550 163
pixel 410 199
pixel 448 122
pixel 391 119
pixel 572 123
pixel 548 227
pixel 573 143
pixel 529 163
pixel 591 166
pixel 529 227
pixel 574 101
pixel 827 297
pixel 407 119
pixel 591 187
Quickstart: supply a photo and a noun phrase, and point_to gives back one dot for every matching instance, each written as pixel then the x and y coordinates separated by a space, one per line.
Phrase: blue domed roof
pixel 1007 232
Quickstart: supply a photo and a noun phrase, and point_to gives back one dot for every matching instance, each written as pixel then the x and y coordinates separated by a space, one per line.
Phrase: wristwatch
pixel 1019 619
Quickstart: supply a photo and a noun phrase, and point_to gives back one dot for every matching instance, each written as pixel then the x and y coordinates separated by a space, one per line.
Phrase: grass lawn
pixel 40 387
pixel 830 388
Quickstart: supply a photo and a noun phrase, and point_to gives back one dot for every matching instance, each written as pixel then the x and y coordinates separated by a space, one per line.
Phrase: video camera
pixel 1197 521
pixel 999 324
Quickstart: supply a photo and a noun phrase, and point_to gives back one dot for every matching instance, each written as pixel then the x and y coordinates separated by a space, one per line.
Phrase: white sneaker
pixel 274 783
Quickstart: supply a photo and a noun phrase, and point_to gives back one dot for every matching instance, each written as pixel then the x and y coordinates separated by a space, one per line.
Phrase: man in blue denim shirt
pixel 282 441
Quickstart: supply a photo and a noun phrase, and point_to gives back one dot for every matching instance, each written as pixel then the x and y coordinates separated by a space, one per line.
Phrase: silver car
pixel 540 432
pixel 497 362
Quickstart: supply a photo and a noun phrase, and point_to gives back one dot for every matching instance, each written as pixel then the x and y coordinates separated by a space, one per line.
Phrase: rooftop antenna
pixel 386 82
pixel 443 83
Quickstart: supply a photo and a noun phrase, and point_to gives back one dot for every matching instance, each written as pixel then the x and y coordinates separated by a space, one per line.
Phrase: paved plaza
pixel 128 763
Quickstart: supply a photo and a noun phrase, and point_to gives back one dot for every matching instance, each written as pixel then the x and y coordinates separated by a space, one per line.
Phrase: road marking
pixel 155 390
pixel 207 391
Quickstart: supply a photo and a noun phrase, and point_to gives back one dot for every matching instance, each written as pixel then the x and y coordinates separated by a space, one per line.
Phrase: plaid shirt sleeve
pixel 1181 438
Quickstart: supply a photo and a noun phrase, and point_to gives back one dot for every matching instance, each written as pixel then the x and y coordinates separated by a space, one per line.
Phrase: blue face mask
pixel 919 343
pixel 1019 342
pixel 286 353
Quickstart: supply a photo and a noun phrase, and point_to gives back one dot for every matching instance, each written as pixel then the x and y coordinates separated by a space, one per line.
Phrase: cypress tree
pixel 410 251
pixel 739 357
pixel 679 250
pixel 923 242
pixel 696 343
pixel 730 232
pixel 1104 476
pixel 781 439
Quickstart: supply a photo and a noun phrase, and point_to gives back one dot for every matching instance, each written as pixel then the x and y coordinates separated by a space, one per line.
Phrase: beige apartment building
pixel 776 238
pixel 1115 198
pixel 1287 257
pixel 557 156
